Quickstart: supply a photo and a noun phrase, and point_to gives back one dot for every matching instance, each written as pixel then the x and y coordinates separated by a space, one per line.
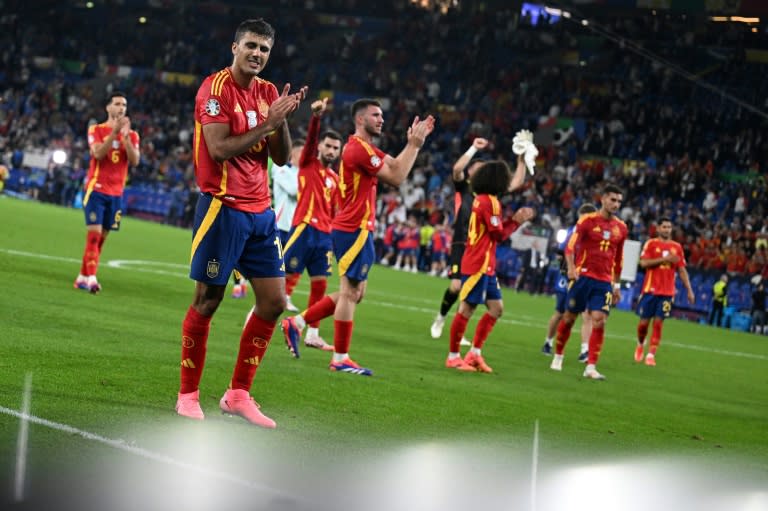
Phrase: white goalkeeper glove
pixel 529 157
pixel 521 141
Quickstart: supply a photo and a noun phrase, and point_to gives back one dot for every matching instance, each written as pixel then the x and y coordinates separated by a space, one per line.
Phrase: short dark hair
pixel 299 142
pixel 663 219
pixel 612 188
pixel 585 208
pixel 492 177
pixel 256 26
pixel 362 104
pixel 116 94
pixel 330 134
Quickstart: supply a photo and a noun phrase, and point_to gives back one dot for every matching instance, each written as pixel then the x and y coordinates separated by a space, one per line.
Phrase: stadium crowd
pixel 599 111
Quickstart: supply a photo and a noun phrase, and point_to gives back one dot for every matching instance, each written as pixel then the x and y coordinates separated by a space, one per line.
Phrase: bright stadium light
pixel 59 157
pixel 560 236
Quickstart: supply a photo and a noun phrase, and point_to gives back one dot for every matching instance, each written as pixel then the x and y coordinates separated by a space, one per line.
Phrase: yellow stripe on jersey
pixel 218 82
pixel 198 134
pixel 308 217
pixel 92 183
pixel 223 184
pixel 349 256
pixel 366 146
pixel 205 226
pixel 296 233
pixel 342 184
pixel 364 221
pixel 495 205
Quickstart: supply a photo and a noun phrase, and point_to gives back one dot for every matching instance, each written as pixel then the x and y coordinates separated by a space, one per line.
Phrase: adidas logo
pixel 252 360
pixel 237 108
pixel 187 362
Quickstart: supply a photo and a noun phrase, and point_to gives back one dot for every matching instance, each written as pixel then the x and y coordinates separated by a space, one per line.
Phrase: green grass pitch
pixel 108 365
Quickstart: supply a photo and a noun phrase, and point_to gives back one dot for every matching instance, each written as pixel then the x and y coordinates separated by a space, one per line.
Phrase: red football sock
pixel 321 310
pixel 291 279
pixel 656 336
pixel 316 293
pixel 595 344
pixel 91 253
pixel 458 327
pixel 194 340
pixel 483 330
pixel 102 239
pixel 642 331
pixel 253 344
pixel 342 335
pixel 563 333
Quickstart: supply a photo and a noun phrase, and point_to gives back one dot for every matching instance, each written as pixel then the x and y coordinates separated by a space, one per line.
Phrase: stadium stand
pixel 668 105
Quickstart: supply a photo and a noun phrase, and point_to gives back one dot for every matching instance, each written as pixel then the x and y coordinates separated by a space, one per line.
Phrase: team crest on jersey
pixel 212 107
pixel 187 341
pixel 495 221
pixel 212 270
pixel 252 118
pixel 259 342
pixel 664 253
pixel 115 144
pixel 328 182
pixel 375 161
pixel 606 235
pixel 615 231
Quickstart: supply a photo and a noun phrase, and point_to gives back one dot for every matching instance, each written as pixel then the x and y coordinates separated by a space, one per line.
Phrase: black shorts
pixel 454 268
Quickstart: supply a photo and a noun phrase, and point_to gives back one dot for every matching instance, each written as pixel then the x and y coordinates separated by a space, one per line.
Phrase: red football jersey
pixel 360 162
pixel 109 174
pixel 318 185
pixel 598 246
pixel 660 280
pixel 241 182
pixel 485 230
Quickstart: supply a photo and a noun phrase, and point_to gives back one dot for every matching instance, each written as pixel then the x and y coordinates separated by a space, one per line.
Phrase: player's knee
pixel 206 306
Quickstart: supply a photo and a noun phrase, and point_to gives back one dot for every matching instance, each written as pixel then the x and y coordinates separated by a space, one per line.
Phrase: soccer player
pixel 362 165
pixel 594 266
pixel 285 189
pixel 478 266
pixel 240 120
pixel 113 146
pixel 462 174
pixel 309 244
pixel 661 257
pixel 561 290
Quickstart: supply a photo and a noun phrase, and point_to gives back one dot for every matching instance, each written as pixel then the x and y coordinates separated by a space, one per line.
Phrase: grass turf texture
pixel 108 364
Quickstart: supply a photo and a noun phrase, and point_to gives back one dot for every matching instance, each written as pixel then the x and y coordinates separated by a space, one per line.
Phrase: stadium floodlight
pixel 59 157
pixel 560 236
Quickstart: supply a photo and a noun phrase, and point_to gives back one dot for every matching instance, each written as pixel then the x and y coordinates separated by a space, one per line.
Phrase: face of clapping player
pixel 117 107
pixel 665 230
pixel 373 120
pixel 251 53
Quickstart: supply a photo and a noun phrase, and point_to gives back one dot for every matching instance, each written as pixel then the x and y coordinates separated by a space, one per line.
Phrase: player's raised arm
pixel 395 170
pixel 478 144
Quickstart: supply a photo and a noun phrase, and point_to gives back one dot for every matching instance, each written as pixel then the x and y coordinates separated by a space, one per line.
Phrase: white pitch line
pixel 124 265
pixel 534 464
pixel 21 447
pixel 143 453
